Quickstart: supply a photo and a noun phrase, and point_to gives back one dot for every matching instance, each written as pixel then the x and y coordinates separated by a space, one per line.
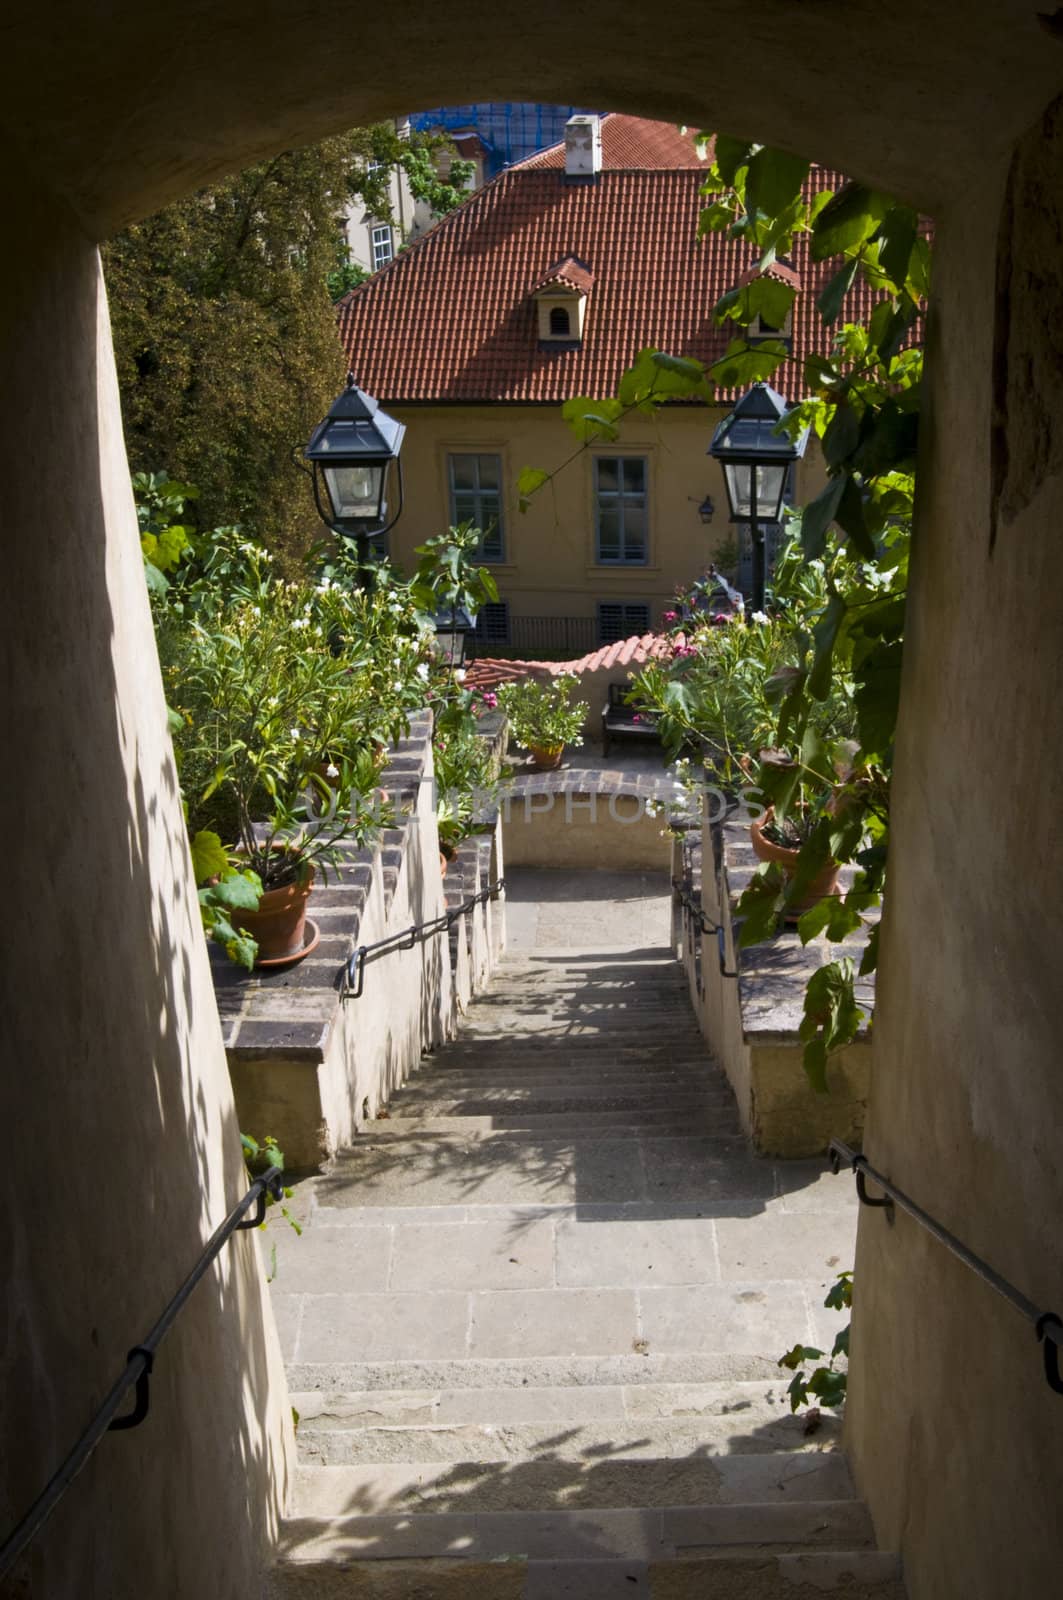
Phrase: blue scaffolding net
pixel 510 130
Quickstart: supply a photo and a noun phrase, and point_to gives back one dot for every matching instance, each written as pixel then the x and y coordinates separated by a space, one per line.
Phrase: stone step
pixel 716 1119
pixel 643 1371
pixel 552 1099
pixel 507 1484
pixel 552 1027
pixel 487 1425
pixel 577 1530
pixel 508 1062
pixel 520 1087
pixel 851 1575
pixel 754 1417
pixel 600 1170
pixel 449 1131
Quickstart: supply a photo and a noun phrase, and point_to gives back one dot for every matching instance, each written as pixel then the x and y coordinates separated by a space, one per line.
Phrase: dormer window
pixel 561 302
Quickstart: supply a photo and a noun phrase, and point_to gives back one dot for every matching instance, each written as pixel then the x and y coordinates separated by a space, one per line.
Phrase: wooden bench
pixel 621 721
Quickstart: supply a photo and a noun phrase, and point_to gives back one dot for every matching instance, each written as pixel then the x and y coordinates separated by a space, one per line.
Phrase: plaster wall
pixel 780 1112
pixel 549 567
pixel 954 1435
pixel 582 831
pixel 122 1150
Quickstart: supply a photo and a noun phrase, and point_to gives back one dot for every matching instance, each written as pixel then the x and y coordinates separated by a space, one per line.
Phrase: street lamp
pixel 350 453
pixel 454 627
pixel 756 458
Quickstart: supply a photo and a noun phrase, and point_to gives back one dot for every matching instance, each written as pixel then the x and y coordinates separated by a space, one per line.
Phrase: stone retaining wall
pixel 310 1066
pixel 751 1021
pixel 586 817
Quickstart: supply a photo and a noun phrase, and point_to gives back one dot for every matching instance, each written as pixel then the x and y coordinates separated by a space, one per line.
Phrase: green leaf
pixel 832 298
pixel 157 582
pixel 869 959
pixel 818 516
pixel 730 154
pixel 592 419
pixel 825 635
pixel 832 916
pixel 891 443
pixel 763 296
pixel 877 696
pixel 851 517
pixel 799 1355
pixel 744 363
pixel 896 235
pixel 761 905
pixel 529 481
pixel 774 180
pixel 847 219
pixel 842 435
pixel 239 891
pixel 831 1018
pixel 209 856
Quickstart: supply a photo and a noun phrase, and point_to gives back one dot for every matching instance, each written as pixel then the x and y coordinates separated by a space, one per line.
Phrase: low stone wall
pixel 751 1020
pixel 586 818
pixel 311 1066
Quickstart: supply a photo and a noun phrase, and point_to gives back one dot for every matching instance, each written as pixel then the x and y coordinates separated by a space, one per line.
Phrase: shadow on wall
pixel 123 1151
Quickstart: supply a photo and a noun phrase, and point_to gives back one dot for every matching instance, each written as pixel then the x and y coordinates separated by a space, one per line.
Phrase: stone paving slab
pixel 348 1327
pixel 476 1255
pixel 571 1322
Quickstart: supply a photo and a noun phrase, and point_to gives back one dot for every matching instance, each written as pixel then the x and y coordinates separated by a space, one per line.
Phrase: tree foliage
pixel 225 331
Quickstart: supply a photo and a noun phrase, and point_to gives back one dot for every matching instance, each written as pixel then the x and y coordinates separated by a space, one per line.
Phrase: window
pixel 492 623
pixel 620 619
pixel 560 325
pixel 383 245
pixel 476 497
pixel 620 509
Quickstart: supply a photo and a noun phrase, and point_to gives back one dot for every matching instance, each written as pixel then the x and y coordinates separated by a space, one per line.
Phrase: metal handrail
pixel 137 1372
pixel 1046 1324
pixel 417 933
pixel 692 904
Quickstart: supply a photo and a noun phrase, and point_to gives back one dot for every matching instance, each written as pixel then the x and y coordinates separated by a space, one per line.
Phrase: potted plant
pixel 807 802
pixel 542 716
pixel 264 692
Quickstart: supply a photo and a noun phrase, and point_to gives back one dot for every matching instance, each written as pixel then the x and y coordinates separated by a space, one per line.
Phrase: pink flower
pixel 637 717
pixel 489 699
pixel 669 616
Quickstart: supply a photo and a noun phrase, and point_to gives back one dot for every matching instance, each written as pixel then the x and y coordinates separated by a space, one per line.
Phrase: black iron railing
pixel 417 933
pixel 701 922
pixel 1047 1326
pixel 137 1372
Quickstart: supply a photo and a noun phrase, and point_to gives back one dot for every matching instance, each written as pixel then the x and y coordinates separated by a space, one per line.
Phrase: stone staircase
pixel 533 1321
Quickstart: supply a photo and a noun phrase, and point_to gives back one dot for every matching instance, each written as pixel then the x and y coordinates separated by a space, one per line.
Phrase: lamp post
pixel 454 627
pixel 350 454
pixel 756 458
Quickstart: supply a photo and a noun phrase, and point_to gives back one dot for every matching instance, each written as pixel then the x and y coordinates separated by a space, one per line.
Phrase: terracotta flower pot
pixel 279 925
pixel 546 756
pixel 824 883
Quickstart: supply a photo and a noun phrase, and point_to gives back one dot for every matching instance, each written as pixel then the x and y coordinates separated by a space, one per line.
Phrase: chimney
pixel 583 146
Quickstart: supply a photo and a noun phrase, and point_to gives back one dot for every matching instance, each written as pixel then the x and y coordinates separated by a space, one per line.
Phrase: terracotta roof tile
pixel 569 272
pixel 487 672
pixel 631 142
pixel 453 318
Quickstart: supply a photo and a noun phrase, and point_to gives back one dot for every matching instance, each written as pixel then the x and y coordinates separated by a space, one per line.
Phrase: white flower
pixel 332 771
pixel 295 733
pixel 459 674
pixel 760 616
pixel 300 622
pixel 256 611
pixel 422 671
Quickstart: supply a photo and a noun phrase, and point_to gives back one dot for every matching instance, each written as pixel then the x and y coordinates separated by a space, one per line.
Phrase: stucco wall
pixel 954 1435
pixel 549 568
pixel 121 1145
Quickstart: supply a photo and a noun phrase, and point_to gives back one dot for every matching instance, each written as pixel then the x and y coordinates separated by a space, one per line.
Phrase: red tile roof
pixel 453 318
pixel 631 142
pixel 487 672
pixel 570 273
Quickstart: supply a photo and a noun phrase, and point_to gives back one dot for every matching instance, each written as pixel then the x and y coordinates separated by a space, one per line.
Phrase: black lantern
pixel 454 627
pixel 756 458
pixel 350 453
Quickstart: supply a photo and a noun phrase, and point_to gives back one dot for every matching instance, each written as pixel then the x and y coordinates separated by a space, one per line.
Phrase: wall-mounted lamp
pixel 705 507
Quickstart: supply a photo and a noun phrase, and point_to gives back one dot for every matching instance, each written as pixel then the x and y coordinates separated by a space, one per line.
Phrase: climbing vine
pixel 862 401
